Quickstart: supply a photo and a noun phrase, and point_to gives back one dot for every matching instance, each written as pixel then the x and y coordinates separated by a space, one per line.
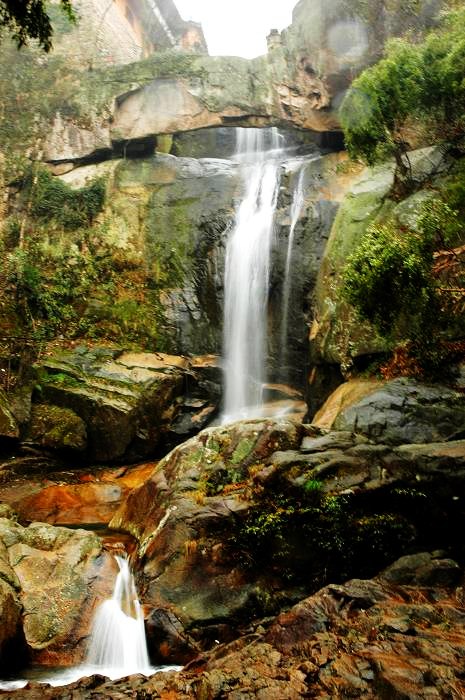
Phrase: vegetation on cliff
pixel 31 20
pixel 409 281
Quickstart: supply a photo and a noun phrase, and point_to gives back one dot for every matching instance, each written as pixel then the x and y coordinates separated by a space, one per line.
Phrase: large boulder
pixel 224 521
pixel 125 400
pixel 178 516
pixel 406 411
pixel 59 576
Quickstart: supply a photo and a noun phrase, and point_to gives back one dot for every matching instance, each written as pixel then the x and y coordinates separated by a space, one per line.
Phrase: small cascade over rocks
pixel 118 646
pixel 247 273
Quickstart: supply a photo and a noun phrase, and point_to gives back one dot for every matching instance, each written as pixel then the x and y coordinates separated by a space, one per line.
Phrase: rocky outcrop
pixel 173 212
pixel 366 638
pixel 338 338
pixel 324 180
pixel 406 411
pixel 77 498
pixel 179 513
pixel 168 219
pixel 224 520
pixel 56 576
pixel 124 402
pixel 300 82
pixel 338 39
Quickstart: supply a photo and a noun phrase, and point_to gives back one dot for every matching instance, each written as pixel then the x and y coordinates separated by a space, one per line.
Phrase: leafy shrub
pixel 416 84
pixel 53 199
pixel 388 280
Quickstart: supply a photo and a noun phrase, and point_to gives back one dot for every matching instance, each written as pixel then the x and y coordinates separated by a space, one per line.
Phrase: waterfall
pixel 247 273
pixel 296 209
pixel 118 646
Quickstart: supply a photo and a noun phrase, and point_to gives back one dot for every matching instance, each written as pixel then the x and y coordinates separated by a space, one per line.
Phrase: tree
pixel 415 85
pixel 29 19
pixel 379 102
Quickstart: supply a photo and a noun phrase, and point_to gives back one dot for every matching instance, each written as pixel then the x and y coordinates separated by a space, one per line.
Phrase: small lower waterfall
pixel 296 209
pixel 118 646
pixel 247 272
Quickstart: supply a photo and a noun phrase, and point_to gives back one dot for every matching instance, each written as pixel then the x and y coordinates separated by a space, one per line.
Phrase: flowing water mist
pixel 296 209
pixel 247 273
pixel 118 646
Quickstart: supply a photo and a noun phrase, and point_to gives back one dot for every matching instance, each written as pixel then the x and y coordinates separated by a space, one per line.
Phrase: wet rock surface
pixel 407 411
pixel 244 519
pixel 103 405
pixel 72 498
pixel 57 576
pixel 246 537
pixel 365 638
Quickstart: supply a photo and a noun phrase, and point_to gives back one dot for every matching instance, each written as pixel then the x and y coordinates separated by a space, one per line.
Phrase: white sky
pixel 237 27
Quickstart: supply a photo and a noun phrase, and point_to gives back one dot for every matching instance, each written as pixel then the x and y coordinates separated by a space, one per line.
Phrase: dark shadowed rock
pixel 57 428
pixel 423 569
pixel 407 411
pixel 166 640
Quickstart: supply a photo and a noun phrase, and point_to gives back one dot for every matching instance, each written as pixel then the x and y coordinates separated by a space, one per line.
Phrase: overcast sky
pixel 237 27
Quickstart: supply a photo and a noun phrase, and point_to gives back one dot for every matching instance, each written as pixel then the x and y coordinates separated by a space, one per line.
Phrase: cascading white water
pixel 118 646
pixel 247 273
pixel 296 209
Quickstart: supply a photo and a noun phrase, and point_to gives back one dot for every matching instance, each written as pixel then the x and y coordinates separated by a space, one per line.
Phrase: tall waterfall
pixel 296 209
pixel 118 646
pixel 247 273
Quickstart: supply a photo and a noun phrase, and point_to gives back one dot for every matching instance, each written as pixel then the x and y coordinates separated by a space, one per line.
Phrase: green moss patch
pixel 53 200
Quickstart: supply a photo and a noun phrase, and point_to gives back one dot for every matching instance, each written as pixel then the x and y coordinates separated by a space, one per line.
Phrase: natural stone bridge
pixel 171 93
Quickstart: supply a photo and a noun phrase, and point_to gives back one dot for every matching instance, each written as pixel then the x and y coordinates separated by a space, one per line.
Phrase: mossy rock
pixel 57 428
pixel 125 409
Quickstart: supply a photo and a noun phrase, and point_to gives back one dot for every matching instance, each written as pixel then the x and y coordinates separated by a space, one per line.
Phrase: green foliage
pixel 419 85
pixel 79 286
pixel 380 100
pixel 24 276
pixel 393 279
pixel 29 19
pixel 11 233
pixel 441 223
pixel 312 485
pixel 388 279
pixel 53 199
pixel 309 537
pixel 58 378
